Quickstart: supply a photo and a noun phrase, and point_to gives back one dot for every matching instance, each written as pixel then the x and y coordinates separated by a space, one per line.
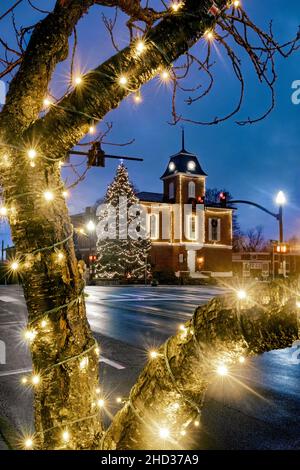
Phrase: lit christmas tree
pixel 123 256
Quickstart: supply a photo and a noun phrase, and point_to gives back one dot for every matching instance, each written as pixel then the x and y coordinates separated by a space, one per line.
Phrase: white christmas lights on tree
pixel 48 196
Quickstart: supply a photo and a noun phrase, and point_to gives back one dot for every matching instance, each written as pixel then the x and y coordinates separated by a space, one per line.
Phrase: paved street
pixel 258 407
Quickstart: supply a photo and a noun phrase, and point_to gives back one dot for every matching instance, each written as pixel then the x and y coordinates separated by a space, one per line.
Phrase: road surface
pixel 257 407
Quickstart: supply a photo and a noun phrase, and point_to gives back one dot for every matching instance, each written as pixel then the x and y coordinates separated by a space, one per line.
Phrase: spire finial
pixel 182 139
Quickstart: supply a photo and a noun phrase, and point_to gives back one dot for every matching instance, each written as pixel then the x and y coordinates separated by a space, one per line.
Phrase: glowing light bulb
pixel 92 129
pixel 165 75
pixel 32 154
pixel 81 231
pixel 49 196
pixel 196 423
pixel 84 363
pixel 176 6
pixel 65 194
pixel 222 370
pixel 242 294
pixel 78 80
pixel 65 436
pixel 60 256
pixel 298 303
pixel 119 400
pixel 98 390
pixel 209 35
pixel 14 266
pixel 24 380
pixel 44 323
pixel 183 432
pixel 35 379
pixel 242 360
pixel 164 433
pixel 101 403
pixel 29 335
pixel 153 354
pixel 28 443
pixel 137 98
pixel 236 3
pixel 123 80
pixel 97 351
pixel 32 164
pixel 3 211
pixel 140 47
pixel 47 102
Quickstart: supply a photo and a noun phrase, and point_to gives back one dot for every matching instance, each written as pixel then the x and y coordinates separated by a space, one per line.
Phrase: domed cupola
pixel 183 162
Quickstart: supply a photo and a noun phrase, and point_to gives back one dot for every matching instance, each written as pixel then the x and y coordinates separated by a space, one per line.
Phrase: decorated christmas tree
pixel 123 250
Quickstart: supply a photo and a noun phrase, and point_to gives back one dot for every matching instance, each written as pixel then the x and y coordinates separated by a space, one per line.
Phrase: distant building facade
pixel 264 265
pixel 189 236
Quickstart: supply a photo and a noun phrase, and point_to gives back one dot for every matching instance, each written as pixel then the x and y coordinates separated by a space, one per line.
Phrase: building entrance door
pixel 191 261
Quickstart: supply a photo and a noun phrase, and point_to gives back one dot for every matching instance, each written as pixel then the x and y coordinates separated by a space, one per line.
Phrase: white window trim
pixel 189 225
pixel 192 189
pixel 154 236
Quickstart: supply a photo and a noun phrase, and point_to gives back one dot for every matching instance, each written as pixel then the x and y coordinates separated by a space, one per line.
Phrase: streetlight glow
pixel 281 198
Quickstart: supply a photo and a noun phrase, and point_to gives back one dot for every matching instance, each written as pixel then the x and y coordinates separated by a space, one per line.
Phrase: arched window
pixel 192 189
pixel 171 191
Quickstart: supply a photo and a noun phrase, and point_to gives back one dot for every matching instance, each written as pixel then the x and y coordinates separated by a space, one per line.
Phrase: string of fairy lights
pixel 140 46
pixel 40 324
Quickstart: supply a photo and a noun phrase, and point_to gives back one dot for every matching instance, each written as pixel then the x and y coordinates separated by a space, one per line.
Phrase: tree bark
pixel 170 391
pixel 66 392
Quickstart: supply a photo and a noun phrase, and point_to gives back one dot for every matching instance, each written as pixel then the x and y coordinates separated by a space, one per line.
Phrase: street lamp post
pixel 280 201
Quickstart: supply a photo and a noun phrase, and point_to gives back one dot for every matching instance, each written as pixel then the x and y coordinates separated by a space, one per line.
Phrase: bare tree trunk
pixel 170 391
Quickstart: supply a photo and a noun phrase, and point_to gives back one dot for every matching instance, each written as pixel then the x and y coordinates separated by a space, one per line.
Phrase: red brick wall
pixel 216 259
pixel 226 225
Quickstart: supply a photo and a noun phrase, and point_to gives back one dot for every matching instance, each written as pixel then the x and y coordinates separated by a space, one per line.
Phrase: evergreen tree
pixel 122 257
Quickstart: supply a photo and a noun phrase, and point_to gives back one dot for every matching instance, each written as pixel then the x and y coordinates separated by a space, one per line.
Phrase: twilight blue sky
pixel 253 162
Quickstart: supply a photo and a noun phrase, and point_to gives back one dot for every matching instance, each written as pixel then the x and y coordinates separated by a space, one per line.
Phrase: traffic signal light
pixel 281 248
pixel 223 198
pixel 96 156
pixel 201 199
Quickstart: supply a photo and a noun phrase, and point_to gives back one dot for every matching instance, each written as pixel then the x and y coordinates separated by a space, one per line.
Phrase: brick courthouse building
pixel 189 236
